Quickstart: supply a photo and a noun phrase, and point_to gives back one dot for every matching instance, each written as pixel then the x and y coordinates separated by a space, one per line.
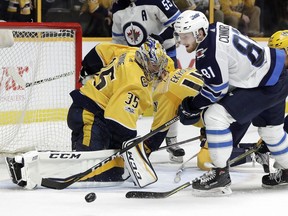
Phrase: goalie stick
pixel 65 182
pixel 159 195
pixel 20 81
pixel 181 169
pixel 179 143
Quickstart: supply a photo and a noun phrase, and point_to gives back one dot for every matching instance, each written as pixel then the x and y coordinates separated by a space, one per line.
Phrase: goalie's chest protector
pixel 143 18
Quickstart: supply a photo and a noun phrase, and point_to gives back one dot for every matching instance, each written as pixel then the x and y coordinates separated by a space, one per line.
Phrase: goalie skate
pixel 175 153
pixel 215 182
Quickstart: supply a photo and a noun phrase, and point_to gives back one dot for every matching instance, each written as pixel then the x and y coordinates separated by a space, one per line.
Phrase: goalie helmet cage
pixel 46 57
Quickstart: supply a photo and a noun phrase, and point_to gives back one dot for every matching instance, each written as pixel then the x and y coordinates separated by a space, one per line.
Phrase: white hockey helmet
pixel 192 21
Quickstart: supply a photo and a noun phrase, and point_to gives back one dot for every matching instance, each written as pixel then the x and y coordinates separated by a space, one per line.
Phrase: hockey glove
pixel 157 37
pixel 85 75
pixel 187 114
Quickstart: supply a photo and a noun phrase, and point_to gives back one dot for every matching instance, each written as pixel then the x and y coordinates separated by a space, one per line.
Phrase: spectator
pixel 243 15
pixel 100 23
pixel 185 4
pixel 3 9
pixel 20 11
pixel 283 14
pixel 203 6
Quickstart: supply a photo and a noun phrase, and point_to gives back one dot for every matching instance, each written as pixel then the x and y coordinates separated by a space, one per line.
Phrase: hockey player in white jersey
pixel 133 22
pixel 242 82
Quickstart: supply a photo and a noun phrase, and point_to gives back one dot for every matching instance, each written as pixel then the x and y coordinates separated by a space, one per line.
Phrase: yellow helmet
pixel 279 40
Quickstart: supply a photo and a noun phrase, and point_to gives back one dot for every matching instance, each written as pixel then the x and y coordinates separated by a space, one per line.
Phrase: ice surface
pixel 248 197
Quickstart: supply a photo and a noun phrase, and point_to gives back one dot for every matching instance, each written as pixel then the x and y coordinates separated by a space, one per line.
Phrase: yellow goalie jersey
pixel 182 83
pixel 108 51
pixel 121 90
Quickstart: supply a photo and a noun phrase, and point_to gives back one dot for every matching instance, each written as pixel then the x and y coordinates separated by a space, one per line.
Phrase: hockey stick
pixel 157 195
pixel 64 183
pixel 20 81
pixel 181 169
pixel 255 148
pixel 179 143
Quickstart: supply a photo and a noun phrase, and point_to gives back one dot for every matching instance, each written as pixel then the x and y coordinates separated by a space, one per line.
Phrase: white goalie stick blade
pixel 13 72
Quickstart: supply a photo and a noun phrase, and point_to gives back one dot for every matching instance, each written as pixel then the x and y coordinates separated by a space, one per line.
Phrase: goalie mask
pixel 152 57
pixel 279 40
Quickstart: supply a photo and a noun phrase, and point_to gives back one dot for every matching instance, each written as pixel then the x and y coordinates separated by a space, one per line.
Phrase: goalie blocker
pixel 28 169
pixel 138 164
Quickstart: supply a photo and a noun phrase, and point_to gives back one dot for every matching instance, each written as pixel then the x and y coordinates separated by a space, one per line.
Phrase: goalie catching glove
pixel 138 164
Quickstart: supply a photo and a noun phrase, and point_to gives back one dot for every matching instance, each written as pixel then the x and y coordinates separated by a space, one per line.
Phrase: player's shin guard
pixel 138 165
pixel 276 140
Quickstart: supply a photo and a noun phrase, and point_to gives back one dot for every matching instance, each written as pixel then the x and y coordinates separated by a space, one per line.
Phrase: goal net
pixel 36 76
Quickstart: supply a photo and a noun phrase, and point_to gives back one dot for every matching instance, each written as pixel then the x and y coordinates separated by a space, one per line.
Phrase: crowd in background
pixel 256 18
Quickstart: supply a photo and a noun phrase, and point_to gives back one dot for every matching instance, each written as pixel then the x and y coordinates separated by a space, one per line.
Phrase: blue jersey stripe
pixel 279 143
pixel 275 71
pixel 280 152
pixel 220 144
pixel 117 35
pixel 172 19
pixel 218 132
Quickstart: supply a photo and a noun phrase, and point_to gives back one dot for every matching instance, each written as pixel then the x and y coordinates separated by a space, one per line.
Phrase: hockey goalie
pixel 103 119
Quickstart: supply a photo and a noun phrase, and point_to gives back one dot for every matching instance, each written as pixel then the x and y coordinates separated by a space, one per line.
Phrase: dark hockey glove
pixel 187 114
pixel 157 37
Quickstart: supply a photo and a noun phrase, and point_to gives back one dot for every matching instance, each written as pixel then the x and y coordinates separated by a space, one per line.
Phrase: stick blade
pixel 146 195
pixel 156 195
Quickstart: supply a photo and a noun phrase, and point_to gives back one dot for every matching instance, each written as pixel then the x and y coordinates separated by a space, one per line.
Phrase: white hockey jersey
pixel 228 59
pixel 134 22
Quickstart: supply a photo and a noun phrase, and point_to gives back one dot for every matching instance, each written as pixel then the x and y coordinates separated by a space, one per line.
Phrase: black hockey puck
pixel 90 197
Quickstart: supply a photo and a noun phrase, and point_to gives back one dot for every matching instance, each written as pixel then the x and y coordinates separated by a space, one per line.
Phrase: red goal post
pixel 36 76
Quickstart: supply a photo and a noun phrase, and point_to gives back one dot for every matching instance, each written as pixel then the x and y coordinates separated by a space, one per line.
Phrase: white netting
pixel 35 117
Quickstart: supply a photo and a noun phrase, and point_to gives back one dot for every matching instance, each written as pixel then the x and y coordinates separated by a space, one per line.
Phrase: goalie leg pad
pixel 27 170
pixel 14 169
pixel 138 165
pixel 24 170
